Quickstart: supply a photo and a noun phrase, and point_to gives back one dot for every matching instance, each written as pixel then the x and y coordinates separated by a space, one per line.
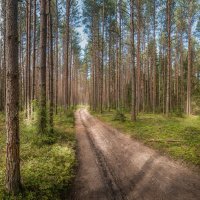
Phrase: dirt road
pixel 112 166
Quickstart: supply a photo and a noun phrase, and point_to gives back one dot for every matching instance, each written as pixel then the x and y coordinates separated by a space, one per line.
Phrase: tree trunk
pixel 133 92
pixel 188 107
pixel 168 57
pixel 34 49
pixel 51 69
pixel 12 99
pixel 102 60
pixel 138 85
pixel 43 41
pixel 67 52
pixel 154 60
pixel 28 58
pixel 57 53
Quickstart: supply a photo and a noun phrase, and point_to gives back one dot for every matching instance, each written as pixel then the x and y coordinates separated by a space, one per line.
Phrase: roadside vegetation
pixel 47 161
pixel 178 137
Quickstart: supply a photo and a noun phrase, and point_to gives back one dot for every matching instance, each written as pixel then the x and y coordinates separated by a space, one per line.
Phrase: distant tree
pixel 51 109
pixel 68 14
pixel 34 48
pixel 192 10
pixel 169 22
pixel 43 48
pixel 133 79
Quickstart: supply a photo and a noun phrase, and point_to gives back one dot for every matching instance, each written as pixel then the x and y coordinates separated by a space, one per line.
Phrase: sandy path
pixel 112 166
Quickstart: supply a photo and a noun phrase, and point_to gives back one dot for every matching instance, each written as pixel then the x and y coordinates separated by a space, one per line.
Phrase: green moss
pixel 47 162
pixel 179 137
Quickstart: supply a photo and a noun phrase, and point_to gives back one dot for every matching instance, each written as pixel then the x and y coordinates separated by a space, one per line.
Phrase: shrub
pixel 119 116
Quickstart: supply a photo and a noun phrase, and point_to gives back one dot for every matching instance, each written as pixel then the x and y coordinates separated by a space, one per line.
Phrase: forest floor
pixel 113 165
pixel 47 161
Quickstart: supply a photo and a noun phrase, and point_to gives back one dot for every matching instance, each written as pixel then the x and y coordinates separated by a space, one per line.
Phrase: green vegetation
pixel 47 162
pixel 119 116
pixel 179 137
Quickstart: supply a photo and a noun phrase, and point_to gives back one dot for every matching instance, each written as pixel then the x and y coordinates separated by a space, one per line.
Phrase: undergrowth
pixel 47 161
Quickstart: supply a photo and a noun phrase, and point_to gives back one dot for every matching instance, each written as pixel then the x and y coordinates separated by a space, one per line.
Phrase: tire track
pixel 113 185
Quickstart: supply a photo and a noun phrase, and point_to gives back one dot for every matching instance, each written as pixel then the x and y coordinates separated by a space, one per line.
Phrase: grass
pixel 47 162
pixel 178 137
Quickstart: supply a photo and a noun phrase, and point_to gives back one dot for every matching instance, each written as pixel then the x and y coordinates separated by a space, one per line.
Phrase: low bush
pixel 47 161
pixel 119 116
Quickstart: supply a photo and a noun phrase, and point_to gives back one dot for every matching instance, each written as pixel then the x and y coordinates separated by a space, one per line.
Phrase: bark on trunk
pixel 168 57
pixel 133 103
pixel 188 108
pixel 12 100
pixel 43 41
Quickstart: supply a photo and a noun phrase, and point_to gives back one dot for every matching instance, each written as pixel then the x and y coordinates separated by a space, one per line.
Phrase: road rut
pixel 112 166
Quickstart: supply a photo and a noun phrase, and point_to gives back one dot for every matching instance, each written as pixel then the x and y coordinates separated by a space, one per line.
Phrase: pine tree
pixel 12 99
